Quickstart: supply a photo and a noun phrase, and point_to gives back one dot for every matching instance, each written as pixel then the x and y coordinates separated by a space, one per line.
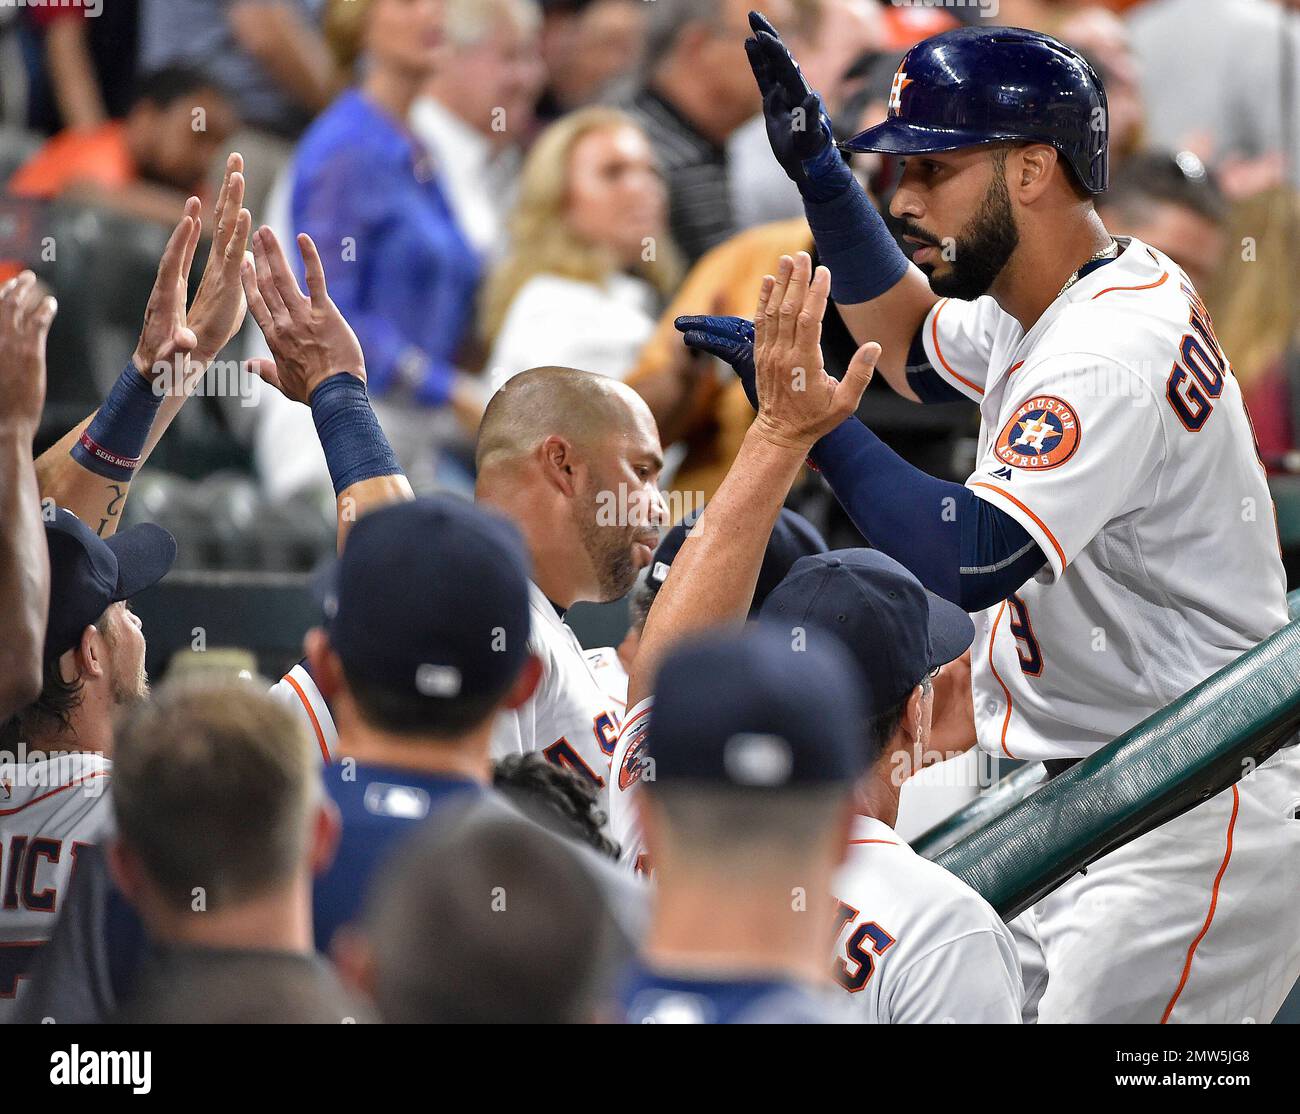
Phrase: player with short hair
pixel 754 753
pixel 415 679
pixel 221 826
pixel 1114 542
pixel 572 458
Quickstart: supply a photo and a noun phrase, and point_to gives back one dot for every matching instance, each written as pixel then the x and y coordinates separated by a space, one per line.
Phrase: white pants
pixel 1197 921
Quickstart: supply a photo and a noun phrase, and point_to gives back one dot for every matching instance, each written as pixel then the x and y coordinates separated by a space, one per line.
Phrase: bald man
pixel 573 459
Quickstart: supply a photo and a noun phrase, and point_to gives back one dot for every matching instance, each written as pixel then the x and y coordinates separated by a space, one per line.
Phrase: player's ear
pixel 525 684
pixel 559 464
pixel 326 669
pixel 90 656
pixel 1032 167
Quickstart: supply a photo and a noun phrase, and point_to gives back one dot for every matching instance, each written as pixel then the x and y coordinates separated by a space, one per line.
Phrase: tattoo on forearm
pixel 114 507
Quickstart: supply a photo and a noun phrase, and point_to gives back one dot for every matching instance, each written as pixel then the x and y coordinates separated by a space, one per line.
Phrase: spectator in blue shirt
pixel 399 267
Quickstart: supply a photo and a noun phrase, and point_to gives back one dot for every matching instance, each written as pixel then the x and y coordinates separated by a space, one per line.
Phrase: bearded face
pixel 979 252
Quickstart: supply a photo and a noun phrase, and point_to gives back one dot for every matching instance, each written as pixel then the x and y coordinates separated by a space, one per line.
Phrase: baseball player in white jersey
pixel 50 808
pixel 912 943
pixel 916 945
pixel 571 718
pixel 573 459
pixel 1115 542
pixel 55 767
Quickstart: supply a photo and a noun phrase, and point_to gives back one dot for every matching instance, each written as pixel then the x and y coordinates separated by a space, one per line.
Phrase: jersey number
pixel 1027 649
pixel 1197 378
pixel 561 753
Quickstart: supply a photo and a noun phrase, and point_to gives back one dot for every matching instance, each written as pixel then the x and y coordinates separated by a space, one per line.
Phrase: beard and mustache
pixel 980 251
pixel 609 548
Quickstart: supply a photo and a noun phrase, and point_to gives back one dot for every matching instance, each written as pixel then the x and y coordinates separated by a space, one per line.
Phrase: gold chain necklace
pixel 1109 252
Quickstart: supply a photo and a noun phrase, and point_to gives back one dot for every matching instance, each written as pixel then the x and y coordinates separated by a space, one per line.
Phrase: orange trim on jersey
pixel 1006 720
pixel 311 714
pixel 1149 286
pixel 1041 524
pixel 1015 368
pixel 934 337
pixel 1209 917
pixel 886 842
pixel 45 796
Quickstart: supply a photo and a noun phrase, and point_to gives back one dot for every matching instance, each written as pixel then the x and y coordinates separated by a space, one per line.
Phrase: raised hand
pixel 219 305
pixel 798 401
pixel 308 336
pixel 798 127
pixel 26 313
pixel 165 334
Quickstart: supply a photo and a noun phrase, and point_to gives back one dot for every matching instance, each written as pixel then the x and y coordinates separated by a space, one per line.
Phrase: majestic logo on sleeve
pixel 1042 433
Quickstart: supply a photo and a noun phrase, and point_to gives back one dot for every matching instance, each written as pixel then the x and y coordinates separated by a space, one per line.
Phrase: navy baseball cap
pixel 87 573
pixel 897 630
pixel 747 709
pixel 793 537
pixel 430 597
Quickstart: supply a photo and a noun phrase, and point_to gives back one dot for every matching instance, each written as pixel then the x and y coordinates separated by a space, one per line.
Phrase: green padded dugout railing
pixel 1011 790
pixel 1202 743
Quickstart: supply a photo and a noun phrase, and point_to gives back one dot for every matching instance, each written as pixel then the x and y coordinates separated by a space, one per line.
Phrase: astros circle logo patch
pixel 1042 433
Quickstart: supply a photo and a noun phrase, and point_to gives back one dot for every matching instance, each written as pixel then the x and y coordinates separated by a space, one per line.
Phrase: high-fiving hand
pixel 308 336
pixel 199 333
pixel 26 312
pixel 798 127
pixel 798 402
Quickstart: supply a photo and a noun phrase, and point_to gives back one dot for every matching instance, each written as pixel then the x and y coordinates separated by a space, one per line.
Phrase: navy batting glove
pixel 798 127
pixel 731 339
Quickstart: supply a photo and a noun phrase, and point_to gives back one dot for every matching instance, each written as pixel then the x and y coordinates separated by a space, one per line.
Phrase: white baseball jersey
pixel 916 945
pixel 570 718
pixel 297 691
pixel 49 810
pixel 1194 922
pixel 625 771
pixel 1114 432
pixel 608 670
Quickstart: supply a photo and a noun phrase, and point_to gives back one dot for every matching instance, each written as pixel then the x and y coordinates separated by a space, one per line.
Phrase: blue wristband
pixel 852 240
pixel 354 444
pixel 114 441
pixel 826 174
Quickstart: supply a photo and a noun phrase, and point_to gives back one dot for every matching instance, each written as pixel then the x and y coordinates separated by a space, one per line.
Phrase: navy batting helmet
pixel 987 85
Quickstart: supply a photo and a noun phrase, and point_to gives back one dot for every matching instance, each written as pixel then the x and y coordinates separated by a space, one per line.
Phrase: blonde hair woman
pixel 590 263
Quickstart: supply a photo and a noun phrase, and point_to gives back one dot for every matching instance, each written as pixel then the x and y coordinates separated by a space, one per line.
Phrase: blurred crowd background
pixel 501 184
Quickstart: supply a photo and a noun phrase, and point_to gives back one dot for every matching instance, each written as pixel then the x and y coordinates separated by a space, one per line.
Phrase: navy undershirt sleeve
pixel 958 545
pixel 926 383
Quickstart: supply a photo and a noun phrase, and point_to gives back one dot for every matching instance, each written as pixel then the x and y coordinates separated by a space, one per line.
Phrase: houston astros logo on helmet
pixel 1043 433
pixel 901 82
